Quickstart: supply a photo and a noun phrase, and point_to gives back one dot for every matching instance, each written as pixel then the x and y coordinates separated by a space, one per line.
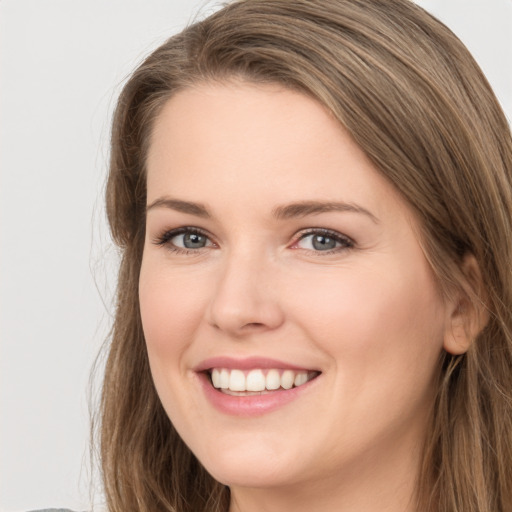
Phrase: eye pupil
pixel 323 243
pixel 194 240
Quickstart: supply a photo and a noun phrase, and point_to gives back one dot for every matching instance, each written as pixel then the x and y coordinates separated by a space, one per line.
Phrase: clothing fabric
pixel 52 510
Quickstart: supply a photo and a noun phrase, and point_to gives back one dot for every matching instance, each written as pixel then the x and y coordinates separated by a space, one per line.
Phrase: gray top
pixel 53 510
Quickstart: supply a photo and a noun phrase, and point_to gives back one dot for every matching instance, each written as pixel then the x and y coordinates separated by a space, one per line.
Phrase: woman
pixel 313 204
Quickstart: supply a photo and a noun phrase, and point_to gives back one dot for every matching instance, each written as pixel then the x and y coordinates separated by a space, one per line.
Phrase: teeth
pixel 300 378
pixel 224 379
pixel 255 381
pixel 237 380
pixel 258 380
pixel 287 379
pixel 273 380
pixel 216 378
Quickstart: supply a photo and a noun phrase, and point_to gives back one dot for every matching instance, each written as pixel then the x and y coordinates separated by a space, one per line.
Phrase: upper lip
pixel 247 363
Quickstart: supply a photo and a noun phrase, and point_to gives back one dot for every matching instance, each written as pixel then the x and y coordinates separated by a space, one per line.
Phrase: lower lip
pixel 251 405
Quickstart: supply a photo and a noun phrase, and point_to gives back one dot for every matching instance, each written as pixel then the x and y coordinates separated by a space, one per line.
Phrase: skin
pixel 370 317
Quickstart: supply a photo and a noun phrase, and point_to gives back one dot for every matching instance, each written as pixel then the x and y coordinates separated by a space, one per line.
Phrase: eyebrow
pixel 288 211
pixel 196 209
pixel 304 208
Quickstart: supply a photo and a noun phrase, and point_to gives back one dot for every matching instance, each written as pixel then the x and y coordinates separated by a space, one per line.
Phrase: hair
pixel 415 101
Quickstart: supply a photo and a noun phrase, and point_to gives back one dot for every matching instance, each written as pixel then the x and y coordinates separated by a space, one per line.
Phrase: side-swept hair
pixel 415 101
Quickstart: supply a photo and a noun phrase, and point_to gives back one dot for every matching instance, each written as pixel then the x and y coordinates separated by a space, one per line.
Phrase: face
pixel 293 324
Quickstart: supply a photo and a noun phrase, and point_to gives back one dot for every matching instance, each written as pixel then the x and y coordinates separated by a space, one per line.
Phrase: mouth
pixel 258 381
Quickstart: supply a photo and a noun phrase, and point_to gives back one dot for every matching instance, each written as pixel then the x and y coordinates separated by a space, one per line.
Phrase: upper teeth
pixel 258 380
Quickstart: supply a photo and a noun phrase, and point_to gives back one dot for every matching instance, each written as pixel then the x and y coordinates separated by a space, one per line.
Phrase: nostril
pixel 253 324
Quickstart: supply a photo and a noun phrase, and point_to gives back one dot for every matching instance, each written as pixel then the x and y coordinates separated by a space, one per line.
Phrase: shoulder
pixel 52 510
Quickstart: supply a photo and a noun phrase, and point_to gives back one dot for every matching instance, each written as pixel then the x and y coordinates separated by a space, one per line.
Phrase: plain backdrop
pixel 62 63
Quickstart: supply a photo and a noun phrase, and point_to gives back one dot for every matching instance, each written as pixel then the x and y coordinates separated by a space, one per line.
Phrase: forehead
pixel 246 142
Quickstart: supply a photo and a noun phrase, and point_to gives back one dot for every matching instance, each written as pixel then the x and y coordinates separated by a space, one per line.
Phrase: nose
pixel 246 297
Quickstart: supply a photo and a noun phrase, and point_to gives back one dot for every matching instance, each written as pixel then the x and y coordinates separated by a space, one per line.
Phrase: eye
pixel 323 240
pixel 184 239
pixel 189 240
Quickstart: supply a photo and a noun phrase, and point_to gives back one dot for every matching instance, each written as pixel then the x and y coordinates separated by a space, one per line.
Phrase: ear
pixel 467 312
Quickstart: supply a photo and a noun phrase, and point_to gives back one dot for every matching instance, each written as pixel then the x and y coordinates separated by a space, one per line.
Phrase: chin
pixel 255 467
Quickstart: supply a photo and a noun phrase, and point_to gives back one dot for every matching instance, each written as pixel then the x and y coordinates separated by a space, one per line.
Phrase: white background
pixel 61 64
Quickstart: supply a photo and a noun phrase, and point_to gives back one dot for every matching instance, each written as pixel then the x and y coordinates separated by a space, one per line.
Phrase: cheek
pixel 171 306
pixel 377 324
pixel 382 331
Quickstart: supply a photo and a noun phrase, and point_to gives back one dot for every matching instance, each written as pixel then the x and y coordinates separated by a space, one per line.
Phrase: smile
pixel 259 381
pixel 253 386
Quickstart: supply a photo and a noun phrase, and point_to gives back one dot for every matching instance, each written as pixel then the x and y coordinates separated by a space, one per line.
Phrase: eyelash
pixel 164 240
pixel 344 241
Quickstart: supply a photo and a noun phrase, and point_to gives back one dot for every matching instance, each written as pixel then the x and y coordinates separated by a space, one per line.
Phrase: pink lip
pixel 251 405
pixel 248 363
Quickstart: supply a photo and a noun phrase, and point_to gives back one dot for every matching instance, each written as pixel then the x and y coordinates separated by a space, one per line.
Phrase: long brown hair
pixel 416 102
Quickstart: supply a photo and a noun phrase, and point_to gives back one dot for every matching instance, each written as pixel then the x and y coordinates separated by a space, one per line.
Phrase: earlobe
pixel 458 337
pixel 468 313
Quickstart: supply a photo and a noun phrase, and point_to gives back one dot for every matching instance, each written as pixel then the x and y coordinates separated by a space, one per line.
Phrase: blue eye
pixel 324 241
pixel 184 239
pixel 189 240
